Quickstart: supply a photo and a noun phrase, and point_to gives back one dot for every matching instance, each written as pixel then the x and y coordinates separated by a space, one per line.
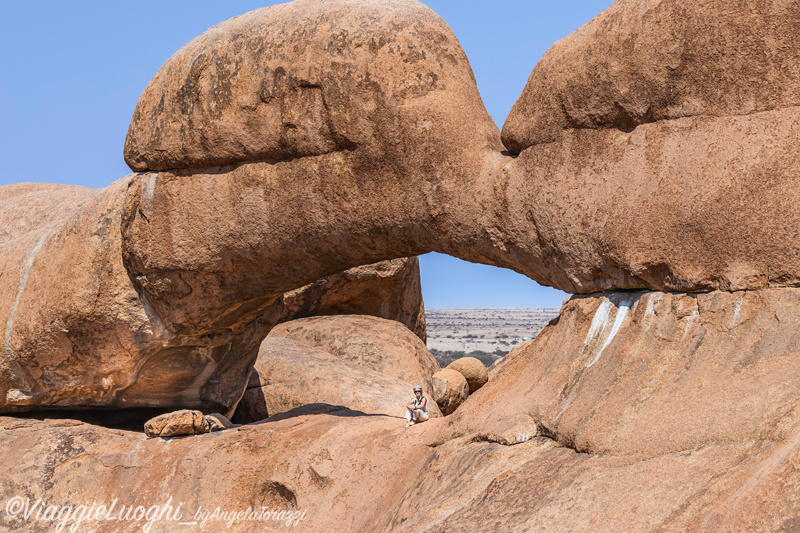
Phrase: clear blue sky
pixel 71 73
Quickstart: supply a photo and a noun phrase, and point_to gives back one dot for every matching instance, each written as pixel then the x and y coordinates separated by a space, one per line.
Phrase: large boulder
pixel 293 374
pixel 369 342
pixel 473 371
pixel 363 363
pixel 80 334
pixel 309 78
pixel 643 61
pixel 657 149
pixel 450 390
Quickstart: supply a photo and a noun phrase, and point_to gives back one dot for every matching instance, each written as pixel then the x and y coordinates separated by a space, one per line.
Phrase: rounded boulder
pixel 450 389
pixel 473 371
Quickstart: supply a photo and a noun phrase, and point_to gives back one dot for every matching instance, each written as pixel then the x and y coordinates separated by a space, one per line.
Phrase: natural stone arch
pixel 353 132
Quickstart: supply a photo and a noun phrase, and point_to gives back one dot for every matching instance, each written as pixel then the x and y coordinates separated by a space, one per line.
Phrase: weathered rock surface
pixel 450 390
pixel 473 371
pixel 362 363
pixel 296 374
pixel 176 423
pixel 656 149
pixel 689 204
pixel 679 414
pixel 79 334
pixel 70 310
pixel 642 61
pixel 387 289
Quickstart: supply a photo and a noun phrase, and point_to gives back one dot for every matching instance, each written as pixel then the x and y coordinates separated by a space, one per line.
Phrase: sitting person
pixel 417 408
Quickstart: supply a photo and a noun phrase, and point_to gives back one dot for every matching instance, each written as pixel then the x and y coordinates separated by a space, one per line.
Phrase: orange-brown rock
pixel 79 334
pixel 654 141
pixel 374 343
pixel 293 374
pixel 176 423
pixel 643 61
pixel 576 432
pixel 303 79
pixel 663 206
pixel 450 390
pixel 362 137
pixel 364 363
pixel 473 371
pixel 387 289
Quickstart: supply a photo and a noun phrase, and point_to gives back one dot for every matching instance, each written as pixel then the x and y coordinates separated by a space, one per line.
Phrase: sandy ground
pixel 484 328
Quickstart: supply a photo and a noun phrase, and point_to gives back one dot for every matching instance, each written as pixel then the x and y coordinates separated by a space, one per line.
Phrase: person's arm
pixel 410 405
pixel 421 406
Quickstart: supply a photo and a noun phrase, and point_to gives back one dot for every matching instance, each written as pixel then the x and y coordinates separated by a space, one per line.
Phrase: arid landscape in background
pixel 486 333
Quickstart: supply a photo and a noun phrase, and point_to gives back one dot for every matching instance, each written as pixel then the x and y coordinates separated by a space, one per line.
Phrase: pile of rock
pixel 453 385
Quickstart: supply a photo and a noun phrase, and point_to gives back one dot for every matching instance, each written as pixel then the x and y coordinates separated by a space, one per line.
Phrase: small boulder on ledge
pixel 217 422
pixel 185 422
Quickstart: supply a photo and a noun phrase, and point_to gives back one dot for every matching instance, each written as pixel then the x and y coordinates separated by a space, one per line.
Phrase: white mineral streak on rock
pixel 22 281
pixel 598 322
pixel 689 322
pixel 600 331
pixel 524 437
pixel 21 393
pixel 736 312
pixel 650 313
